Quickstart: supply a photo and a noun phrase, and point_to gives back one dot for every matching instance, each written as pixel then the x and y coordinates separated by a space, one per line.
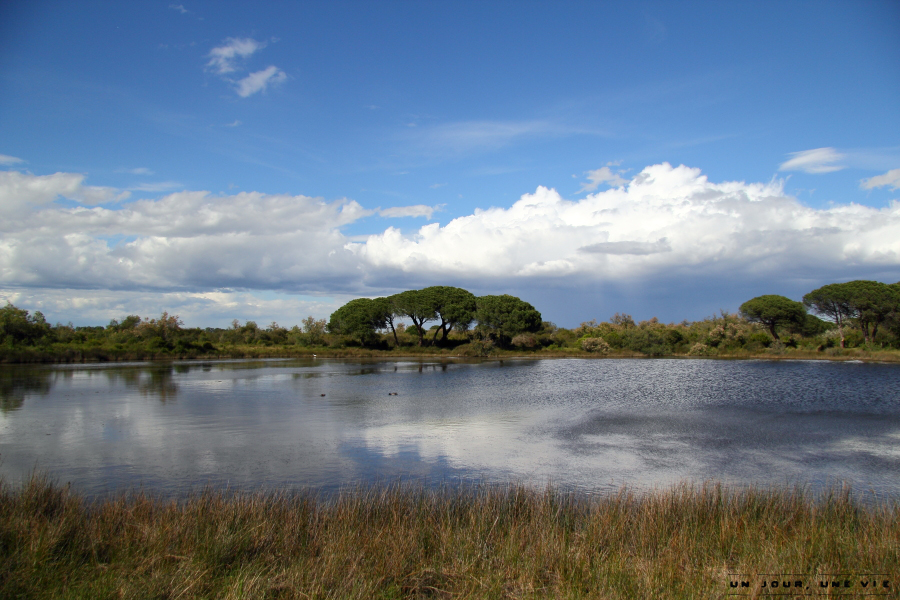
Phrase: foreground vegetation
pixel 451 542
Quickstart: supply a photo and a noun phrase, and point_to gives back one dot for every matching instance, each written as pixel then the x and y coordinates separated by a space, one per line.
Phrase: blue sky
pixel 232 160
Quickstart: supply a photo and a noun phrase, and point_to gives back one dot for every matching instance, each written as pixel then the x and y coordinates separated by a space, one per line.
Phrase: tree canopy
pixel 454 306
pixel 420 306
pixel 504 317
pixel 499 317
pixel 359 319
pixel 773 310
pixel 17 326
pixel 873 302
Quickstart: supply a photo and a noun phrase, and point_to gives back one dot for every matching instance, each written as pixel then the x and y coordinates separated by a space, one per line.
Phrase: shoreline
pixel 252 353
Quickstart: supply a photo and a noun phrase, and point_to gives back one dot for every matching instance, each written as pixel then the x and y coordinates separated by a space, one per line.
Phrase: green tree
pixel 359 319
pixel 504 317
pixel 18 327
pixel 314 330
pixel 386 312
pixel 772 310
pixel 834 302
pixel 454 306
pixel 420 306
pixel 873 302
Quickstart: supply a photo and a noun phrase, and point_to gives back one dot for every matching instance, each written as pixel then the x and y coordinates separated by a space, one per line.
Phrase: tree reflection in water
pixel 150 380
pixel 15 384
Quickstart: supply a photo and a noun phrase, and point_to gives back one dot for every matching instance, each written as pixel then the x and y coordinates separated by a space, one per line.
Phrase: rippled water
pixel 324 424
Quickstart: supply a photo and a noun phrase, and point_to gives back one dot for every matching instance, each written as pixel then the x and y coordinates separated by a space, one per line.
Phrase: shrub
pixel 525 340
pixel 595 344
pixel 699 349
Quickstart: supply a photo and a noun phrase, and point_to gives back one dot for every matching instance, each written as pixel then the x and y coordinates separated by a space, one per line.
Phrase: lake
pixel 324 424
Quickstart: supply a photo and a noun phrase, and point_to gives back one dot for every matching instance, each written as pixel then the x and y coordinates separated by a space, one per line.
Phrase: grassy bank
pixel 408 542
pixel 75 354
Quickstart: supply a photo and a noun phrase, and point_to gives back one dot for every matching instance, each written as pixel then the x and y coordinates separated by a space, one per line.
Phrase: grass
pixel 61 354
pixel 450 542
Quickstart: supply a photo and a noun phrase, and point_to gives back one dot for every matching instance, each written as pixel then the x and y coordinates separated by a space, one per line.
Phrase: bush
pixel 524 340
pixel 700 349
pixel 595 344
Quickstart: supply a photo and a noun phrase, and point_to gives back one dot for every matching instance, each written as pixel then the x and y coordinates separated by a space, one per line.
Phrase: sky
pixel 271 161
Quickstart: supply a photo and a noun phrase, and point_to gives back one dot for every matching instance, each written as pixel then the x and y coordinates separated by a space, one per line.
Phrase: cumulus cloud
pixel 819 160
pixel 19 191
pixel 223 59
pixel 637 248
pixel 185 240
pixel 259 81
pixel 891 179
pixel 9 160
pixel 667 222
pixel 602 175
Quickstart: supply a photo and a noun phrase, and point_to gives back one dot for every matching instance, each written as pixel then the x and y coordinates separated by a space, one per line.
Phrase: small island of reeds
pixel 464 541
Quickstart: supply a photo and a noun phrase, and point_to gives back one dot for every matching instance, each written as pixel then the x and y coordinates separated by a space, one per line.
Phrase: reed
pixel 407 541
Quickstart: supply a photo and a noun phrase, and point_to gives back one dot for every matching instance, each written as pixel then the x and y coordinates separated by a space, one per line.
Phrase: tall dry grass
pixel 413 542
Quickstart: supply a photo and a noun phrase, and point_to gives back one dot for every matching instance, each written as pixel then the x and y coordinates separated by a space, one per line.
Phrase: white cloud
pixel 667 222
pixel 9 160
pixel 419 210
pixel 185 240
pixel 223 59
pixel 160 186
pixel 235 123
pixel 137 171
pixel 636 248
pixel 259 81
pixel 20 191
pixel 226 59
pixel 891 178
pixel 602 175
pixel 819 160
pixel 179 7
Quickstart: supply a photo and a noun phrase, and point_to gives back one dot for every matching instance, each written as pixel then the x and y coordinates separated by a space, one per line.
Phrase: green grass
pixel 450 542
pixel 60 353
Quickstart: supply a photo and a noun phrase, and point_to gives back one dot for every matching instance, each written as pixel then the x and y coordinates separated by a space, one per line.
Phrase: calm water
pixel 323 424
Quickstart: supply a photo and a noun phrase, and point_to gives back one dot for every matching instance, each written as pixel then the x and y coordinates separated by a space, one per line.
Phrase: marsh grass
pixel 407 541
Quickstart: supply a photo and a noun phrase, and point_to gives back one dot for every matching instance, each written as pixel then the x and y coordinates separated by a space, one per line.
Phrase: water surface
pixel 323 424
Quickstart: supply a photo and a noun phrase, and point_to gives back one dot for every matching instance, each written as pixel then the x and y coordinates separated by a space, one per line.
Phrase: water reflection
pixel 320 423
pixel 16 384
pixel 156 381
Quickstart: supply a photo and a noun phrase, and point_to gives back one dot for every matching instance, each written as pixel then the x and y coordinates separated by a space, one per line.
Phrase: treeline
pixel 498 319
pixel 860 316
pixel 25 337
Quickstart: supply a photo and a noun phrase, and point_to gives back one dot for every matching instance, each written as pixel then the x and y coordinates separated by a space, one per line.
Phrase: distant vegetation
pixel 860 317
